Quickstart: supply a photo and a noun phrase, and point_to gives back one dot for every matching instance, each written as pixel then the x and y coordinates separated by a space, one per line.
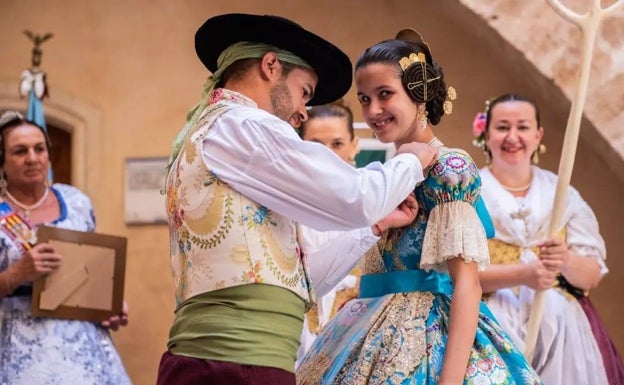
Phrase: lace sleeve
pixel 454 229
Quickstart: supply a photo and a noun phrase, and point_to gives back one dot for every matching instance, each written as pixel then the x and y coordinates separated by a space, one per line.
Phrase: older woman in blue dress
pixel 40 351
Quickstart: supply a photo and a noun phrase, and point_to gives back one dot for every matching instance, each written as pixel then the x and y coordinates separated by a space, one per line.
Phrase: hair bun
pixel 422 82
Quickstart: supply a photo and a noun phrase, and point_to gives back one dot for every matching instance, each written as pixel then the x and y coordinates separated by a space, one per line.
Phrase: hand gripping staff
pixel 588 23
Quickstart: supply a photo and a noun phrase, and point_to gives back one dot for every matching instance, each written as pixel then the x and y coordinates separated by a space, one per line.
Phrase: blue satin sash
pixel 485 218
pixel 402 281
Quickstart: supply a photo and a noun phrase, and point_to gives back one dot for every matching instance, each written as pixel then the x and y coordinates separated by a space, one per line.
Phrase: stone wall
pixel 553 45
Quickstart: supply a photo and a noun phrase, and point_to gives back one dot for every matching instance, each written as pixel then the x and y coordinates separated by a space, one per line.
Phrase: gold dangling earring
pixel 487 156
pixel 422 119
pixel 541 149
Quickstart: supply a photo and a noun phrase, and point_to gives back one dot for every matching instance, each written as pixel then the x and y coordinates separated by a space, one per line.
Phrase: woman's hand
pixel 41 259
pixel 116 321
pixel 554 254
pixel 403 215
pixel 538 276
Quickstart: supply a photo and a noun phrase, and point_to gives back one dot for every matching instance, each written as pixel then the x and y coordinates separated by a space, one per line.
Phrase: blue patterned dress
pixel 47 351
pixel 396 332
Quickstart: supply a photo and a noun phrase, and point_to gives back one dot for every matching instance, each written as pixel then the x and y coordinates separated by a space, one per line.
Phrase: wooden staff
pixel 588 24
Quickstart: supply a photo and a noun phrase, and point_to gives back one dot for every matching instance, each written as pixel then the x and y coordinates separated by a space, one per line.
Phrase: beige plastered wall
pixel 122 75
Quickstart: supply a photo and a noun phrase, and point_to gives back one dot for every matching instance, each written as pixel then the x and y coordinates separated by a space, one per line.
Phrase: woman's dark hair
pixel 12 119
pixel 423 82
pixel 333 110
pixel 509 98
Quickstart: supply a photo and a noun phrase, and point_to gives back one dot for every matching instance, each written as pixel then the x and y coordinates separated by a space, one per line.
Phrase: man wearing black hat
pixel 240 179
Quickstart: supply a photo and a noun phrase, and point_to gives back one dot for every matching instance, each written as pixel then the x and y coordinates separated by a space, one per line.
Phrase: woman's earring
pixel 487 155
pixel 422 116
pixel 541 149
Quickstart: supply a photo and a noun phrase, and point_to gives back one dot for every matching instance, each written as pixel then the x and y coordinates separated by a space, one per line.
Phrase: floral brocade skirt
pixel 401 339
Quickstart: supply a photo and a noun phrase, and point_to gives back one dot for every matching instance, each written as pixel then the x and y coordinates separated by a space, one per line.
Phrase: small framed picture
pixel 144 181
pixel 89 284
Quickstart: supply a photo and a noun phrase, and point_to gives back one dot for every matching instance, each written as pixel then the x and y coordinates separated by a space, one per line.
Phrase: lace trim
pixel 372 261
pixel 453 230
pixel 312 372
pixel 395 344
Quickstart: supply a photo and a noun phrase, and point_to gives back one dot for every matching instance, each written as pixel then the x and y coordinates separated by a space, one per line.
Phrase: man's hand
pixel 425 153
pixel 403 215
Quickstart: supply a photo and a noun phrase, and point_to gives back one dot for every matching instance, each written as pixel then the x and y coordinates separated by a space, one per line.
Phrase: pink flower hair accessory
pixel 478 127
pixel 478 130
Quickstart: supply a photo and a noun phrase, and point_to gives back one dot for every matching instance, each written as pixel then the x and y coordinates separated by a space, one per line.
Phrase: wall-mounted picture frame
pixel 144 181
pixel 89 284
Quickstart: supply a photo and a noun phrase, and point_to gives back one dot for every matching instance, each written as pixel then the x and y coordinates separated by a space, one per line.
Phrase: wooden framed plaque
pixel 89 284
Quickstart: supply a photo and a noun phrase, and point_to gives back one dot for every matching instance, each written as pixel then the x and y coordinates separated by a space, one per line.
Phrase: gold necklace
pixel 509 188
pixel 28 208
pixel 517 189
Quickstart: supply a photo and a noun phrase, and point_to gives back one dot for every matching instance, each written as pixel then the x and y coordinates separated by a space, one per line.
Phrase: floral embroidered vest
pixel 218 237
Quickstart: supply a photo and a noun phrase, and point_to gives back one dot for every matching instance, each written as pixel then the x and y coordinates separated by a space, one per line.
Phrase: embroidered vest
pixel 220 238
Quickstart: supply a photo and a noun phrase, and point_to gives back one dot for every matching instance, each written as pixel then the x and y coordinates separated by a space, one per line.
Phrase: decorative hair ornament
pixel 447 106
pixel 10 115
pixel 478 127
pixel 411 59
pixel 419 75
pixel 5 118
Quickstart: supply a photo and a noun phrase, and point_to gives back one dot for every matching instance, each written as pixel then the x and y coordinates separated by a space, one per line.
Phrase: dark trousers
pixel 182 370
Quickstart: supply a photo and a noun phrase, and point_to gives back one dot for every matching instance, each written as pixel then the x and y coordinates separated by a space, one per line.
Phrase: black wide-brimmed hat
pixel 332 66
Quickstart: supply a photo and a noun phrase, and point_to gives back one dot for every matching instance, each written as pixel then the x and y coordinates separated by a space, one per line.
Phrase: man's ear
pixel 270 66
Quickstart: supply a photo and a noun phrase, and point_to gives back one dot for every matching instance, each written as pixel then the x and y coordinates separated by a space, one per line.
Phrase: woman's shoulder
pixel 549 180
pixel 544 174
pixel 453 176
pixel 69 192
pixel 454 163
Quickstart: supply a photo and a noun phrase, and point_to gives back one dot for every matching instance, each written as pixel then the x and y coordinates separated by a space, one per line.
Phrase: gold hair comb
pixel 412 58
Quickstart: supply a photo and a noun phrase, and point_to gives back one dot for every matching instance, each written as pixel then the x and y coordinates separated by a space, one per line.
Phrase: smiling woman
pixel 418 318
pixel 32 347
pixel 520 195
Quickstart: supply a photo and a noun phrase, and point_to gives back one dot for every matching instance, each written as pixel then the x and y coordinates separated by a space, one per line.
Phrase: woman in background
pixel 33 350
pixel 519 196
pixel 332 126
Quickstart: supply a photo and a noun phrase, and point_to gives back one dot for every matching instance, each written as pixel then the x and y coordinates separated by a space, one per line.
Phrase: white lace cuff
pixel 453 230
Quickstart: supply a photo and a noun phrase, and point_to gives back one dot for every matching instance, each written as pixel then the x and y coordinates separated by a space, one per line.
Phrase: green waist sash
pixel 252 324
